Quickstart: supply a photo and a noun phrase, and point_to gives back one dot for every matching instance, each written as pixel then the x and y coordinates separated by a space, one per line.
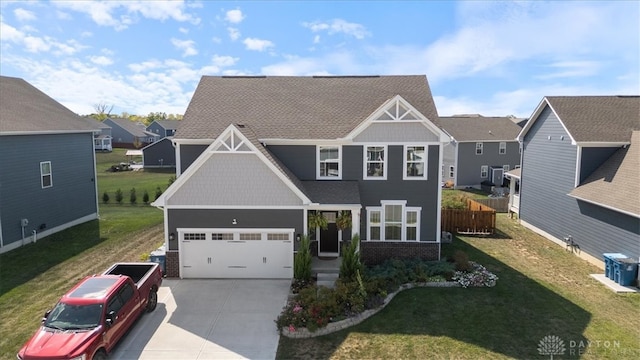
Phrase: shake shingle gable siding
pixel 295 146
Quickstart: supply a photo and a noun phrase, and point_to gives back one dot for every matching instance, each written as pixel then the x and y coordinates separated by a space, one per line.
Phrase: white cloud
pixel 36 44
pixel 328 64
pixel 183 30
pixel 101 60
pixel 187 46
pixel 336 26
pixel 224 61
pixel 234 16
pixel 565 69
pixel 257 44
pixel 316 39
pixel 24 15
pixel 121 14
pixel 234 33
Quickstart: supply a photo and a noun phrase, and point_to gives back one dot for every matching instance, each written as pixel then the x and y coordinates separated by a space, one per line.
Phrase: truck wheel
pixel 152 302
pixel 100 355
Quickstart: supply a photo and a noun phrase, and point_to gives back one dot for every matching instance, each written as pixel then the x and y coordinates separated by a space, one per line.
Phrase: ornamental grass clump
pixel 478 276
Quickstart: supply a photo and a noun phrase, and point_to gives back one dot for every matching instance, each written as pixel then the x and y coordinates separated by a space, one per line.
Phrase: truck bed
pixel 136 271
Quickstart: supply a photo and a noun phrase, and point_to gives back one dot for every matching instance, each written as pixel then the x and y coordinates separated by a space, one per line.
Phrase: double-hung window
pixel 502 148
pixel 393 221
pixel 484 171
pixel 329 162
pixel 479 148
pixel 45 174
pixel 415 160
pixel 375 161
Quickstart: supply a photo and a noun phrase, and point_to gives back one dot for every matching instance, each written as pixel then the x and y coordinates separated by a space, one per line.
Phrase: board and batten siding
pixel 548 176
pixel 72 197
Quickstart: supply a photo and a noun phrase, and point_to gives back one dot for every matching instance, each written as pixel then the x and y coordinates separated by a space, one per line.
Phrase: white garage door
pixel 236 253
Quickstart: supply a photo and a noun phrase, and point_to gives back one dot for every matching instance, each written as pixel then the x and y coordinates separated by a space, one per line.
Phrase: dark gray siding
pixel 592 158
pixel 189 154
pixel 548 175
pixel 222 218
pixel 160 150
pixel 157 129
pixel 301 160
pixel 72 196
pixel 118 134
pixel 469 163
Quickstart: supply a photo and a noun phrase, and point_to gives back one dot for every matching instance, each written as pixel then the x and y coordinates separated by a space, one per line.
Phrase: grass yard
pixel 542 291
pixel 33 277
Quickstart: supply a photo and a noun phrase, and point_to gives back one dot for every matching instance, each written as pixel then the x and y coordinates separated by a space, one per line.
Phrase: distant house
pixel 160 154
pixel 258 157
pixel 163 128
pixel 129 134
pixel 101 139
pixel 482 149
pixel 580 175
pixel 47 166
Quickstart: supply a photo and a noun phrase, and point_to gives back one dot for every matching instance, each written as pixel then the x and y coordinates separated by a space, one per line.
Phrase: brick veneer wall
pixel 376 252
pixel 172 263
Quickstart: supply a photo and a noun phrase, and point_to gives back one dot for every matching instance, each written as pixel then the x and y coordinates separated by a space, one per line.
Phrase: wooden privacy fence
pixel 500 204
pixel 477 219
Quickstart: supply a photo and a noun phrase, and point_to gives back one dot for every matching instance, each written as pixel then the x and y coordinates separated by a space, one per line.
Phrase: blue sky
pixel 493 58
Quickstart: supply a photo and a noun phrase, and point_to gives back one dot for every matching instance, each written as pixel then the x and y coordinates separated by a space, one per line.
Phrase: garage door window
pixel 282 237
pixel 195 236
pixel 221 236
pixel 250 236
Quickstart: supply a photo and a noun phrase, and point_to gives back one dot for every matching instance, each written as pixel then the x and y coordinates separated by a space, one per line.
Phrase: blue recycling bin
pixel 627 271
pixel 159 256
pixel 609 264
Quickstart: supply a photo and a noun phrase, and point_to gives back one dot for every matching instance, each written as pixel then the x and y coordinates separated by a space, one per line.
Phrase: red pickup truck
pixel 89 320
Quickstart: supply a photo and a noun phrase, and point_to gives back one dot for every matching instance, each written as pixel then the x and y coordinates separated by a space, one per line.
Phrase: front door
pixel 329 244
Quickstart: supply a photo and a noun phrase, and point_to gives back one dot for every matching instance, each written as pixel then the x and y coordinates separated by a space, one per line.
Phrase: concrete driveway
pixel 209 319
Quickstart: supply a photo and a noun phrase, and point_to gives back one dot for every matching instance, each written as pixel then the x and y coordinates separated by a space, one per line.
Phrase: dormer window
pixel 329 160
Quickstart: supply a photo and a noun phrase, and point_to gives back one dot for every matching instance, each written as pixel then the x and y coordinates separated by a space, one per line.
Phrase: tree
pixel 145 197
pixel 105 198
pixel 103 111
pixel 351 267
pixel 119 196
pixel 302 261
pixel 158 192
pixel 132 196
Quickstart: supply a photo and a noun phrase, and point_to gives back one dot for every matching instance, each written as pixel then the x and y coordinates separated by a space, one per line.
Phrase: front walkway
pixel 325 265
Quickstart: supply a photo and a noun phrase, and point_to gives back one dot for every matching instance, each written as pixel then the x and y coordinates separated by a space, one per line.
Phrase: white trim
pixel 213 207
pixel 403 226
pixel 46 132
pixel 534 117
pixel 310 142
pixel 425 163
pixel 455 179
pixel 439 207
pixel 604 206
pixel 50 174
pixel 193 141
pixel 177 146
pixel 481 148
pixel 597 144
pixel 211 150
pixel 365 162
pixel 318 162
pixel 482 168
pixel 502 150
pixel 576 175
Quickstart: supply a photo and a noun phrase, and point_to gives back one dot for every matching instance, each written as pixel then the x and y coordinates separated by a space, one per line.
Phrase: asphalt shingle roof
pixel 333 192
pixel 132 127
pixel 480 128
pixel 168 124
pixel 280 107
pixel 598 118
pixel 24 108
pixel 616 183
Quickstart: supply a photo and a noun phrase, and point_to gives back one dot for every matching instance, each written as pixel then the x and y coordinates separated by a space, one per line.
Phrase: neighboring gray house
pixel 580 173
pixel 163 128
pixel 130 134
pixel 101 139
pixel 481 149
pixel 160 154
pixel 47 166
pixel 258 156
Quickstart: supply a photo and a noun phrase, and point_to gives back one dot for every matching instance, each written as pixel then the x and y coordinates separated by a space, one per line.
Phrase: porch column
pixel 355 222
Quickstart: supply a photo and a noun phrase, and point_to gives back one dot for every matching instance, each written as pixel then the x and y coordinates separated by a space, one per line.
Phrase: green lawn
pixel 33 277
pixel 542 291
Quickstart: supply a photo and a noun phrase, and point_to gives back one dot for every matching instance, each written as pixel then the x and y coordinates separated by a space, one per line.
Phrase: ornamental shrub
pixel 105 197
pixel 351 265
pixel 132 196
pixel 119 196
pixel 302 261
pixel 145 197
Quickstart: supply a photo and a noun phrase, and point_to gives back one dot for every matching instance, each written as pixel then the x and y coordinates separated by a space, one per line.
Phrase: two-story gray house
pixel 130 134
pixel 481 150
pixel 580 174
pixel 163 128
pixel 47 165
pixel 258 156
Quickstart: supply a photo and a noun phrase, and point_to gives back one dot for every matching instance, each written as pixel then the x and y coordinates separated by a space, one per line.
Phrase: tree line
pixel 103 111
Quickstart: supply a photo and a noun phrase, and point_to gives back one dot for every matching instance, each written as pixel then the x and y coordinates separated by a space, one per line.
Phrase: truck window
pixel 115 304
pixel 126 293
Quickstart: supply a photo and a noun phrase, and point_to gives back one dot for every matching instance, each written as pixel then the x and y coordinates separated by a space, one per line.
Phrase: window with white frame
pixel 415 161
pixel 45 174
pixel 375 162
pixel 484 171
pixel 452 171
pixel 505 168
pixel 502 149
pixel 329 162
pixel 393 221
pixel 479 148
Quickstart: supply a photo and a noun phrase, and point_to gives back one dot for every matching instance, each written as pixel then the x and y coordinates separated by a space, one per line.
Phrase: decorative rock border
pixel 303 333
